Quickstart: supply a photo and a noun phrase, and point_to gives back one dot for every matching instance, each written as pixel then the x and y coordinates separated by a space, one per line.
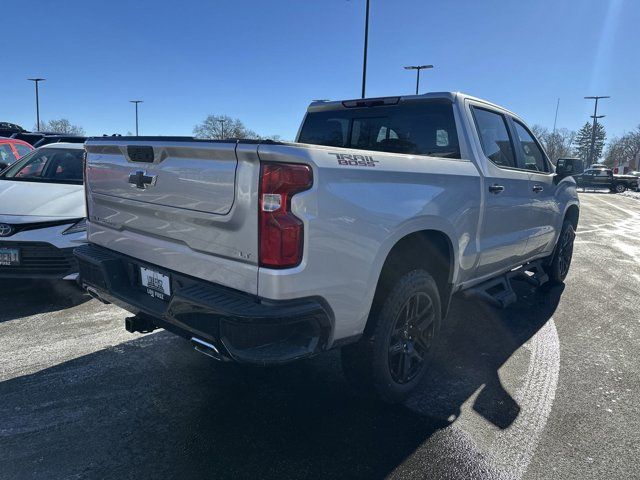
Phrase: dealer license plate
pixel 156 284
pixel 9 257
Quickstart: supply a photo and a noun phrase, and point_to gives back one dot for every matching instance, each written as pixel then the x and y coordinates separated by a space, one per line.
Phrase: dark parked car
pixel 604 178
pixel 7 129
pixel 49 139
pixel 637 175
pixel 38 139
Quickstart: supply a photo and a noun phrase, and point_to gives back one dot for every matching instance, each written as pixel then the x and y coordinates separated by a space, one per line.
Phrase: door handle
pixel 496 189
pixel 537 188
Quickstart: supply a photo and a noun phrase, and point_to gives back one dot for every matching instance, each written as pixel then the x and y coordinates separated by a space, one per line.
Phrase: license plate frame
pixel 156 284
pixel 10 257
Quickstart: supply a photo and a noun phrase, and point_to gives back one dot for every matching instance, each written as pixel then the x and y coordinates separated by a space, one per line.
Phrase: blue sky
pixel 264 61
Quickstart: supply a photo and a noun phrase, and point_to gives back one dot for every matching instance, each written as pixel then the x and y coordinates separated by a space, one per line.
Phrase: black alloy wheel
pixel 411 337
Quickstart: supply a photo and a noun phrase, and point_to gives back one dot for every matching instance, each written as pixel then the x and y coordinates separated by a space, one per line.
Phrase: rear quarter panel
pixel 354 215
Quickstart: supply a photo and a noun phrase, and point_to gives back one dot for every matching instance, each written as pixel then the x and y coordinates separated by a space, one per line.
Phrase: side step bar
pixel 499 291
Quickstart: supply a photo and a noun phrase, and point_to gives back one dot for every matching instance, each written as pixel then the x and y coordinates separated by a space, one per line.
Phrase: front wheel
pixel 394 353
pixel 620 187
pixel 560 261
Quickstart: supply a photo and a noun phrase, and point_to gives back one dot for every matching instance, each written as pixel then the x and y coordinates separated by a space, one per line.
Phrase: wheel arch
pixel 573 215
pixel 429 249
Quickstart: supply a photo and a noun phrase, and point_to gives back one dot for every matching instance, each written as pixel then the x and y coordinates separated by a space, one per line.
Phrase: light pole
pixel 417 68
pixel 136 103
pixel 36 80
pixel 366 42
pixel 555 120
pixel 595 124
pixel 222 120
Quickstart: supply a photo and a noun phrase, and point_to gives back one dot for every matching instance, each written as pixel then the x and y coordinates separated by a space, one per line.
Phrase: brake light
pixel 281 234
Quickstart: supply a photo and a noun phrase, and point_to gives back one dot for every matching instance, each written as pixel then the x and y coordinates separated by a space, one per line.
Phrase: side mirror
pixel 566 167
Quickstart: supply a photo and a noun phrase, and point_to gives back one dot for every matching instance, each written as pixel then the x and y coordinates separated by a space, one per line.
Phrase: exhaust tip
pixel 206 348
pixel 94 294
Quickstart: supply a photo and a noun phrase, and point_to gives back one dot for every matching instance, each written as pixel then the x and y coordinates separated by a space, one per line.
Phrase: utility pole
pixel 366 42
pixel 36 80
pixel 595 124
pixel 222 120
pixel 417 68
pixel 136 102
pixel 555 120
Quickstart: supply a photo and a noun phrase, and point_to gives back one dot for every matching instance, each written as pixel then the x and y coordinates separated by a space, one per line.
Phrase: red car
pixel 12 149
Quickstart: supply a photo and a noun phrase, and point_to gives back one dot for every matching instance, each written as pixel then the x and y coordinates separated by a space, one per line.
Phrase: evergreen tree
pixel 582 142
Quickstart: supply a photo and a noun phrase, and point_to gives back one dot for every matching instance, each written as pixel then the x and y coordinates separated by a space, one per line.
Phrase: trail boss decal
pixel 355 160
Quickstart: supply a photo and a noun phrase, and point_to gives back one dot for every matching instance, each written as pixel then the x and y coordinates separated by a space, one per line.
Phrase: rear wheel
pixel 560 261
pixel 394 353
pixel 620 187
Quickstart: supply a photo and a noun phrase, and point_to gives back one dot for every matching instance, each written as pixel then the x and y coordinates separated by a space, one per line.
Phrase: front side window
pixel 426 128
pixel 52 165
pixel 494 137
pixel 534 158
pixel 6 155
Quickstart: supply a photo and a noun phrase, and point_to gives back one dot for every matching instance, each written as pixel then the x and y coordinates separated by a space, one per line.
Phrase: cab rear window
pixel 426 128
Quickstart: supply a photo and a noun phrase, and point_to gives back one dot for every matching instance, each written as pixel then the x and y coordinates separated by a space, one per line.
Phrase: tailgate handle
pixel 140 154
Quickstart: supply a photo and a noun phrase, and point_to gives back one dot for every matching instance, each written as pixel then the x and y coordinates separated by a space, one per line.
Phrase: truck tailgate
pixel 186 205
pixel 196 177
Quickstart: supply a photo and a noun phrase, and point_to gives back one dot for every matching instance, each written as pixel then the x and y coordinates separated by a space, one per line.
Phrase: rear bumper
pixel 242 327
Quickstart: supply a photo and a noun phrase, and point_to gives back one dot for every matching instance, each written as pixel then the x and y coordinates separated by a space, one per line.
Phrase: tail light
pixel 85 173
pixel 281 232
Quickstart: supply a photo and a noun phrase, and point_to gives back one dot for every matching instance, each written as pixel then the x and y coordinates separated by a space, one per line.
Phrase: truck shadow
pixel 22 298
pixel 153 408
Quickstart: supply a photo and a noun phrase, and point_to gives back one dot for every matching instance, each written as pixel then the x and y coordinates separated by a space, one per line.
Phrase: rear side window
pixel 494 137
pixel 533 156
pixel 426 128
pixel 22 149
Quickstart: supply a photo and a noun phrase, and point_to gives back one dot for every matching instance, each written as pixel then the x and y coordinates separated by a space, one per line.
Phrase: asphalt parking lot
pixel 547 388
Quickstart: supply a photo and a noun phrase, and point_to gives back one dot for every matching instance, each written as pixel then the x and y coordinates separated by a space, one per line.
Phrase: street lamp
pixel 136 103
pixel 417 68
pixel 366 42
pixel 222 120
pixel 595 117
pixel 35 81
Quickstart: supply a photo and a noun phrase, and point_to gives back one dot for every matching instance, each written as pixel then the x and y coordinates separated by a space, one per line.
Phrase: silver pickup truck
pixel 355 236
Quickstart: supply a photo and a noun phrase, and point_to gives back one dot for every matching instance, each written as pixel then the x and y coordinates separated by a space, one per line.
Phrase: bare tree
pixel 219 127
pixel 540 132
pixel 624 150
pixel 557 144
pixel 61 126
pixel 222 126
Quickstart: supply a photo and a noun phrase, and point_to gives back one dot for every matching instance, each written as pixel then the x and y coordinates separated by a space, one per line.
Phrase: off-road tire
pixel 558 265
pixel 370 363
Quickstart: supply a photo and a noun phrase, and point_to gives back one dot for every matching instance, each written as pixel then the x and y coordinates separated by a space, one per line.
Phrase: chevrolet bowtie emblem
pixel 140 179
